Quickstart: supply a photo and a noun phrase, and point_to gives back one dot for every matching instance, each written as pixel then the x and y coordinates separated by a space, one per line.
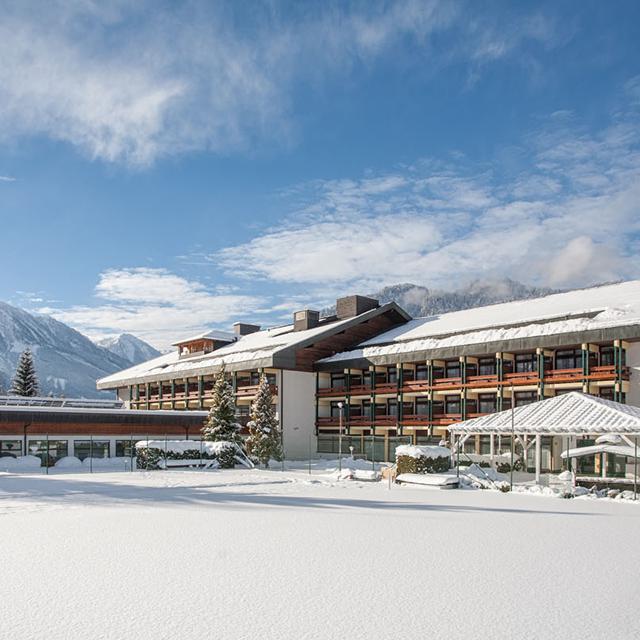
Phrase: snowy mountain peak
pixel 129 347
pixel 66 361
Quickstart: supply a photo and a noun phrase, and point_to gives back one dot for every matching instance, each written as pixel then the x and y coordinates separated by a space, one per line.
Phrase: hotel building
pixel 390 379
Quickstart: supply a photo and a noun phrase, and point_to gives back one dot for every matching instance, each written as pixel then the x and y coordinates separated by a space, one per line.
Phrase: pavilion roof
pixel 571 413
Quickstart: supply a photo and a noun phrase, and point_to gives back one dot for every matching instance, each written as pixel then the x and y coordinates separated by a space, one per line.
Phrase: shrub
pixel 149 454
pixel 410 459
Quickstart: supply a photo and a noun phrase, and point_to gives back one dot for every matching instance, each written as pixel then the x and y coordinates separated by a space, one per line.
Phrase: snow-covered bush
pixel 427 459
pixel 150 453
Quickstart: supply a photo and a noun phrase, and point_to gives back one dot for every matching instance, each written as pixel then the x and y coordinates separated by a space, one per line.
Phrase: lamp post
pixel 340 407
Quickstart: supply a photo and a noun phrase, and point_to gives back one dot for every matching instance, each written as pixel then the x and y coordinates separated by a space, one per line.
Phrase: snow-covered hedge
pixel 149 453
pixel 426 459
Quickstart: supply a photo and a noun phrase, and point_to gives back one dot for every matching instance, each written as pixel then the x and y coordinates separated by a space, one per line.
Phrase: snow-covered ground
pixel 271 554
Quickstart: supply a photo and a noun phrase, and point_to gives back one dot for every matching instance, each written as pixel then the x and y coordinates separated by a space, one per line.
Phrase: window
pixel 452 369
pixel 438 372
pixel 407 409
pixel 392 375
pixel 338 381
pixel 335 410
pixel 525 397
pixel 96 448
pixel 471 369
pixel 487 367
pixel 606 356
pixel 569 359
pixel 125 448
pixel 487 403
pixel 355 410
pixel 607 393
pixel 408 374
pixel 422 407
pixel 57 449
pixel 392 407
pixel 12 448
pixel 452 404
pixel 526 363
pixel 422 372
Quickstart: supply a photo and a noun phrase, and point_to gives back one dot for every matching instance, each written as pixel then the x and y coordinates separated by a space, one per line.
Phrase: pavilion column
pixel 492 451
pixel 538 457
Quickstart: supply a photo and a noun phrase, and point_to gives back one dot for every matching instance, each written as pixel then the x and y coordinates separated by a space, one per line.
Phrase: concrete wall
pixel 296 407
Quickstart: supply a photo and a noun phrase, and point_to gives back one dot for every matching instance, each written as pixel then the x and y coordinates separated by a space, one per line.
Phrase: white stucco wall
pixel 296 406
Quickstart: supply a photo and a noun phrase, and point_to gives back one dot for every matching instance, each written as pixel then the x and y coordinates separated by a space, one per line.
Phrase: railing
pixel 360 389
pixel 386 387
pixel 482 381
pixel 446 382
pixel 415 419
pixel 521 377
pixel 563 375
pixel 335 391
pixel 252 389
pixel 415 385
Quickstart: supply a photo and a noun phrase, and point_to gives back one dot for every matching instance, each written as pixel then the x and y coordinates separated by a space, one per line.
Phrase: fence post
pixel 47 467
pixel 91 454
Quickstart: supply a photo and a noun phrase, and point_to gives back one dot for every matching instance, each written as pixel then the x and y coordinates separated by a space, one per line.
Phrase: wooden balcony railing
pixel 360 389
pixel 328 391
pixel 251 389
pixel 416 419
pixel 490 380
pixel 521 377
pixel 415 385
pixel 563 375
pixel 440 383
pixel 386 387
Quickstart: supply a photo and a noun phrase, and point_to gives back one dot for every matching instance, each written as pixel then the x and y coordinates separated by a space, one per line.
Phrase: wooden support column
pixel 201 392
pixel 500 375
pixel 372 400
pixel 147 389
pixel 540 365
pixel 160 391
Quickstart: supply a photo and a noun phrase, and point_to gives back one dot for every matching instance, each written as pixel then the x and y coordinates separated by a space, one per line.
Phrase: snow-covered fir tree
pixel 264 442
pixel 25 381
pixel 221 424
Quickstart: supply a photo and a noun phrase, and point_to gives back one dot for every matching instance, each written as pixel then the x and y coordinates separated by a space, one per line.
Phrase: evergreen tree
pixel 264 442
pixel 221 424
pixel 25 382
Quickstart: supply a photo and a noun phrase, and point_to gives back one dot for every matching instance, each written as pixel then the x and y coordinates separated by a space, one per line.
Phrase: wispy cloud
pixel 7 179
pixel 154 304
pixel 571 218
pixel 131 83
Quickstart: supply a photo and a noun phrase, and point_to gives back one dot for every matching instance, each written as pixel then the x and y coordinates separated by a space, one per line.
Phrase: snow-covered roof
pixel 213 334
pixel 253 350
pixel 572 413
pixel 573 312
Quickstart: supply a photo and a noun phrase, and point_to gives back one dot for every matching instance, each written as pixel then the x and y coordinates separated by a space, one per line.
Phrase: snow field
pixel 271 554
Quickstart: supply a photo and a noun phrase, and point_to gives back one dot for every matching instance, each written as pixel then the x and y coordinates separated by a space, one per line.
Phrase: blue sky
pixel 169 166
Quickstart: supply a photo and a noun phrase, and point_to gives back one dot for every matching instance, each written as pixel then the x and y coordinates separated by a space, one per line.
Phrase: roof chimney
pixel 351 306
pixel 244 329
pixel 306 319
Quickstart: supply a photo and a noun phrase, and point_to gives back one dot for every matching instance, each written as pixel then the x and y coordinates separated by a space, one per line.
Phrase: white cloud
pixel 572 219
pixel 7 179
pixel 133 82
pixel 154 304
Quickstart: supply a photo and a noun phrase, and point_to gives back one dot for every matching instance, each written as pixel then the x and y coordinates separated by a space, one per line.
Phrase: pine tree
pixel 25 382
pixel 221 424
pixel 264 442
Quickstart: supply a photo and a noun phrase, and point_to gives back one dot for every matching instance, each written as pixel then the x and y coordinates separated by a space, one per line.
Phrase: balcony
pixel 415 420
pixel 563 375
pixel 444 419
pixel 360 389
pixel 607 372
pixel 248 390
pixel 446 383
pixel 490 380
pixel 329 391
pixel 521 378
pixel 386 387
pixel 409 386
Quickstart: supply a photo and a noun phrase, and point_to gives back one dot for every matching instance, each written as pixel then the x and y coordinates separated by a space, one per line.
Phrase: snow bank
pixel 68 462
pixel 413 451
pixel 21 463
